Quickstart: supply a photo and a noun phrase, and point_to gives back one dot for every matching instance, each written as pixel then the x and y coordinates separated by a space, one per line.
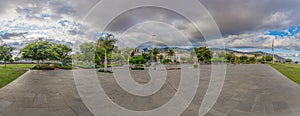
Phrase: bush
pixel 195 66
pixel 166 61
pixel 138 67
pixel 137 60
pixel 68 67
pixel 42 67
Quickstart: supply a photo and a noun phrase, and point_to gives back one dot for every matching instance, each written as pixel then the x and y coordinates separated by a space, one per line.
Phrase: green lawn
pixel 292 71
pixel 12 72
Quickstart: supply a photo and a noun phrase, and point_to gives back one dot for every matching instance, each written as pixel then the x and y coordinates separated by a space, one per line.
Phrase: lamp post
pixel 273 47
pixel 152 47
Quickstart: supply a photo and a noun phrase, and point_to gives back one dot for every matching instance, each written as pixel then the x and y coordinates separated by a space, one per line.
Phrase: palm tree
pixel 256 55
pixel 106 44
pixel 155 52
pixel 170 52
pixel 160 57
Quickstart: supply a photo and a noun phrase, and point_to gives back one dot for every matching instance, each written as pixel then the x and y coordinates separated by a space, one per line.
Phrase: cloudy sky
pixel 245 25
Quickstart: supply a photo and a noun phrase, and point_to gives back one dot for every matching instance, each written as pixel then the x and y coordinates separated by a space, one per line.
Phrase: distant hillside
pixel 279 58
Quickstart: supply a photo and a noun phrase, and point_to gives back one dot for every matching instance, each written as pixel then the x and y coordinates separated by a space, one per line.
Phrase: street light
pixel 152 46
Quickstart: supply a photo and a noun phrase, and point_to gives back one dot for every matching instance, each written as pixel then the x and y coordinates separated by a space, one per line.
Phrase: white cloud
pixel 278 19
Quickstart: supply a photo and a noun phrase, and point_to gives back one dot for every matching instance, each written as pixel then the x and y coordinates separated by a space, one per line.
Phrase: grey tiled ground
pixel 248 90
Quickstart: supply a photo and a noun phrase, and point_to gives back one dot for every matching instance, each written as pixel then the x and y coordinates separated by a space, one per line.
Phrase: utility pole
pixel 273 51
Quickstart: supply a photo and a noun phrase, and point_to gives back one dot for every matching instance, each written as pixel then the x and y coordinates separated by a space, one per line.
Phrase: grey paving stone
pixel 254 90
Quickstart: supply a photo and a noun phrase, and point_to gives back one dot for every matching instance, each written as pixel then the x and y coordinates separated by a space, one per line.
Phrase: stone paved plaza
pixel 249 90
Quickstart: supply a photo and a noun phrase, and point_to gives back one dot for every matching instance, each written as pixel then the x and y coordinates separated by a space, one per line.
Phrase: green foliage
pixel 138 67
pixel 167 61
pixel 170 52
pixel 137 60
pixel 40 50
pixel 218 60
pixel 17 59
pixel 231 57
pixel 289 61
pixel 43 67
pixel 267 58
pixel 61 52
pixel 87 52
pixel 5 53
pixel 203 54
pixel 195 66
pixel 244 59
pixel 155 52
pixel 105 46
pixel 146 56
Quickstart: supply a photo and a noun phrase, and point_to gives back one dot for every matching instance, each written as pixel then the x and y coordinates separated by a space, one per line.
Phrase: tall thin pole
pixel 273 51
pixel 152 47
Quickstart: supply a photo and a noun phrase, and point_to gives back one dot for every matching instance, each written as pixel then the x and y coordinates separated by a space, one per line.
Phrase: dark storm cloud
pixel 239 16
pixel 11 35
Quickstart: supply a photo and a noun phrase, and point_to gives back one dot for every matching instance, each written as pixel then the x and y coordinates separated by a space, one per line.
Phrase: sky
pixel 245 25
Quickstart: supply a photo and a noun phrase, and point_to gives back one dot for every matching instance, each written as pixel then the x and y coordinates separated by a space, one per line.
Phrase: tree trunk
pixel 105 62
pixel 38 63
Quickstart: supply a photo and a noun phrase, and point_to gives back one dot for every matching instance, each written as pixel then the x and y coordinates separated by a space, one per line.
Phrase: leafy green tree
pixel 170 52
pixel 166 61
pixel 40 50
pixel 252 60
pixel 146 56
pixel 289 60
pixel 203 54
pixel 6 53
pixel 87 52
pixel 161 57
pixel 61 52
pixel 244 59
pixel 256 55
pixel 231 57
pixel 127 53
pixel 155 52
pixel 105 46
pixel 267 58
pixel 16 59
pixel 117 58
pixel 222 54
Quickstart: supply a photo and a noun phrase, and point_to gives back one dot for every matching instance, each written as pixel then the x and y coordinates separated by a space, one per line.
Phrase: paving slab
pixel 254 90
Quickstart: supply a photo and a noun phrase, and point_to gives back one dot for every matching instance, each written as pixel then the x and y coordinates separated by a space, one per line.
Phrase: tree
pixel 40 50
pixel 244 59
pixel 105 46
pixel 61 52
pixel 231 57
pixel 5 53
pixel 147 57
pixel 155 52
pixel 166 61
pixel 87 52
pixel 127 53
pixel 170 53
pixel 16 59
pixel 256 55
pixel 289 61
pixel 161 57
pixel 203 54
pixel 267 58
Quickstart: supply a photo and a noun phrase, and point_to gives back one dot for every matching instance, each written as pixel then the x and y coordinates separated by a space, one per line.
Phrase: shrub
pixel 166 61
pixel 137 60
pixel 195 66
pixel 42 67
pixel 138 67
